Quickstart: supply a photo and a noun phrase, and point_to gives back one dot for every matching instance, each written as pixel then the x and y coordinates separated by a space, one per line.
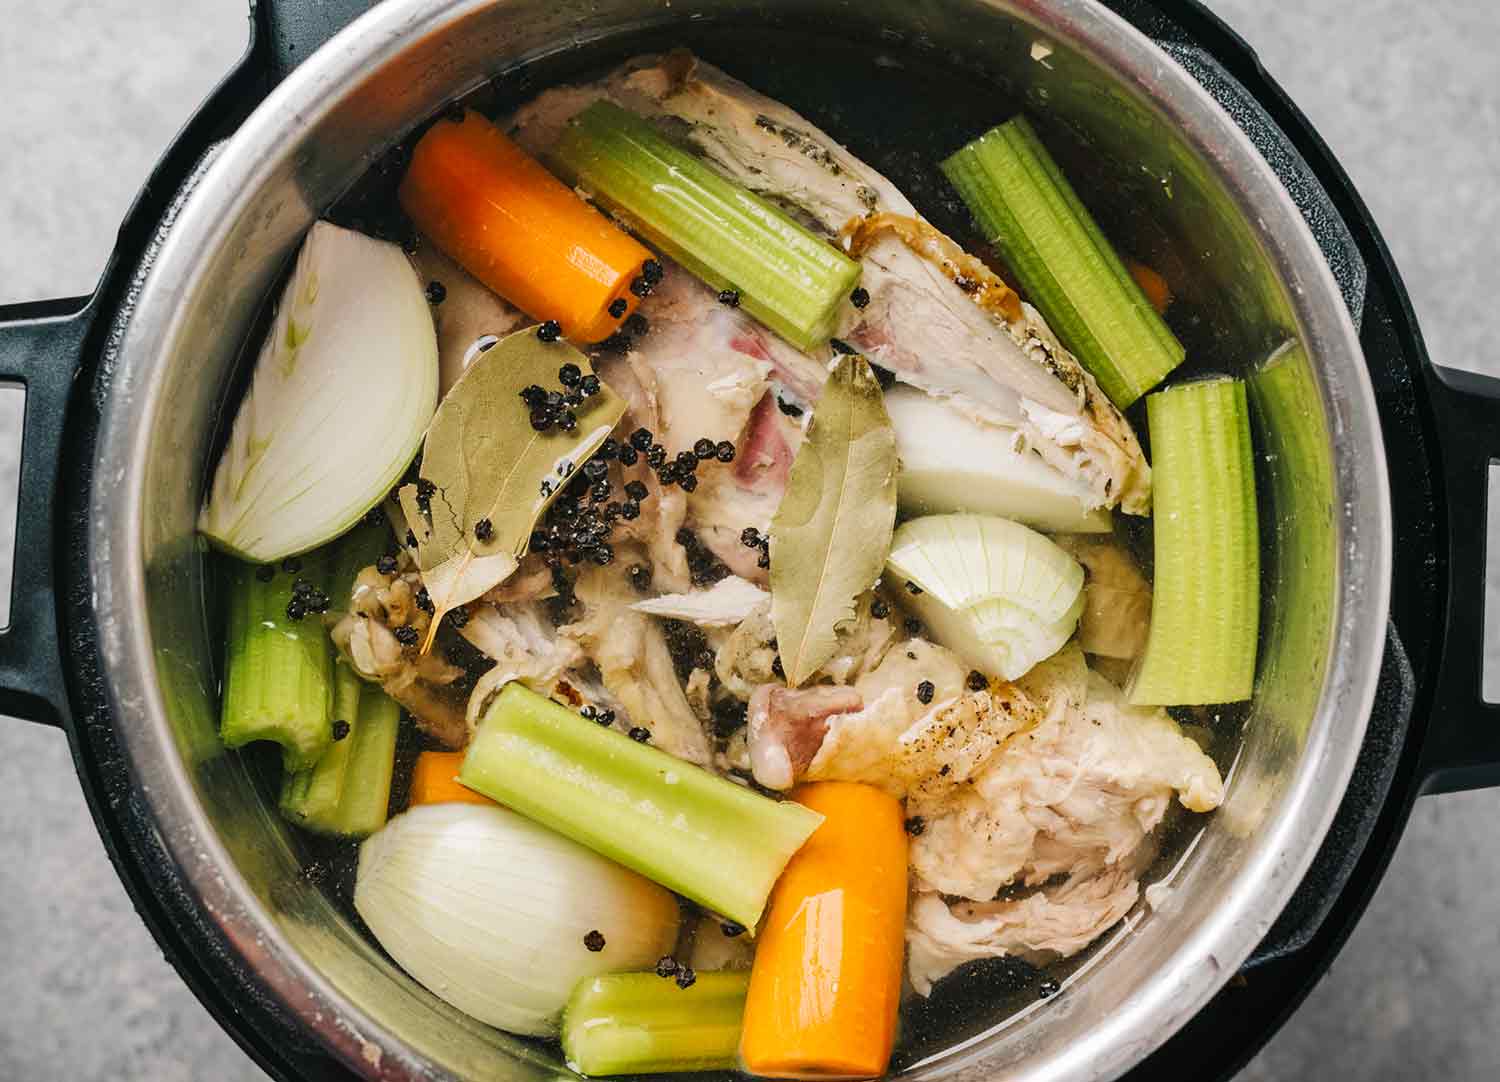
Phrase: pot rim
pixel 1202 961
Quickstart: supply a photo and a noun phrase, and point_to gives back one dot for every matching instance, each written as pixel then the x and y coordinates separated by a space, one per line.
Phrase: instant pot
pixel 1374 475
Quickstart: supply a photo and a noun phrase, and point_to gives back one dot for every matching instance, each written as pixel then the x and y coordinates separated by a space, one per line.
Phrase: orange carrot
pixel 1152 284
pixel 826 981
pixel 518 229
pixel 434 780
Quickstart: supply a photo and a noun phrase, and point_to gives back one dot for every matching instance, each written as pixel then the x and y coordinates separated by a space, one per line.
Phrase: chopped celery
pixel 639 1023
pixel 1025 206
pixel 789 279
pixel 715 842
pixel 1205 609
pixel 348 790
pixel 278 681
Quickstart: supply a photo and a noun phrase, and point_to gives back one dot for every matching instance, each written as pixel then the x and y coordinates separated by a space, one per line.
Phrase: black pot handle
pixel 1462 749
pixel 291 30
pixel 41 346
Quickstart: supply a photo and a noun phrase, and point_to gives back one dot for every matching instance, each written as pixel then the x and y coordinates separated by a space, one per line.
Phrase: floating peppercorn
pixel 913 626
pixel 295 609
pixel 764 559
pixel 860 297
pixel 587 712
pixel 652 271
pixel 689 482
pixel 656 455
pixel 630 510
pixel 595 470
pixel 642 439
pixel 750 537
pixel 484 529
pixel 732 929
pixel 437 293
pixel 424 600
pixel 687 461
pixel 615 343
pixel 637 324
pixel 640 577
pixel 570 375
pixel 686 978
pixel 977 681
pixel 534 395
pixel 590 385
pixel 640 287
pixel 568 421
pixel 549 331
pixel 406 635
pixel 541 420
pixel 594 941
pixel 605 717
pixel 1047 989
pixel 879 609
pixel 291 565
pixel 915 825
pixel 912 588
pixel 730 297
pixel 925 691
pixel 724 451
pixel 636 490
pixel 628 455
pixel 603 555
pixel 265 572
pixel 639 734
pixel 704 448
pixel 666 966
pixel 617 307
pixel 340 729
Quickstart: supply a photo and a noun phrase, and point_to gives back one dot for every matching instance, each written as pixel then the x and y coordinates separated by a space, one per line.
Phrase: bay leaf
pixel 832 532
pixel 486 462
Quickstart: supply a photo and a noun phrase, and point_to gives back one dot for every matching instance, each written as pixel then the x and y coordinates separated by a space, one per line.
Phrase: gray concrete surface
pixel 91 91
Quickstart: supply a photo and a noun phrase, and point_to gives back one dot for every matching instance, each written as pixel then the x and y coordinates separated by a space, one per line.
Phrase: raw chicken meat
pixel 525 647
pixel 785 727
pixel 727 603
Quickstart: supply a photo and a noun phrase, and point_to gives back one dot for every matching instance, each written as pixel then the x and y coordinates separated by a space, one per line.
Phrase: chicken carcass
pixel 525 647
pixel 936 317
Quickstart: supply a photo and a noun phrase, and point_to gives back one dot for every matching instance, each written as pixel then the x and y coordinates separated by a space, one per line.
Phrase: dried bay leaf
pixel 832 532
pixel 486 462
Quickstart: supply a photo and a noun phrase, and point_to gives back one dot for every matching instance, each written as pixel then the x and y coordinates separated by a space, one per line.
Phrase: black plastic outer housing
pixel 1391 772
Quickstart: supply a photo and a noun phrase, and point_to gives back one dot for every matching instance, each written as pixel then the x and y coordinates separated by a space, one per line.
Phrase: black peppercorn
pixel 641 439
pixel 704 448
pixel 437 293
pixel 764 559
pixel 617 307
pixel 406 635
pixel 424 600
pixel 549 330
pixel 750 537
pixel 605 717
pixel 587 712
pixel 689 482
pixel 915 825
pixel 628 455
pixel 570 375
pixel 541 420
pixel 639 734
pixel 879 609
pixel 777 669
pixel 484 529
pixel 977 681
pixel 925 691
pixel 267 572
pixel 595 470
pixel 1047 989
pixel 686 978
pixel 640 287
pixel 636 490
pixel 386 565
pixel 666 966
pixel 296 609
pixel 534 395
pixel 589 386
pixel 630 510
pixel 640 577
pixel 730 297
pixel 594 941
pixel 615 343
pixel 340 729
pixel 724 451
pixel 860 297
pixel 913 626
pixel 603 555
pixel 687 461
pixel 411 540
pixel 568 421
pixel 652 271
pixel 637 324
pixel 732 929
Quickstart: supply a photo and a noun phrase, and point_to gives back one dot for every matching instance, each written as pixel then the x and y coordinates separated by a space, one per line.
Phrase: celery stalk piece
pixel 1024 205
pixel 278 682
pixel 640 1023
pixel 310 797
pixel 786 277
pixel 715 842
pixel 372 764
pixel 1205 606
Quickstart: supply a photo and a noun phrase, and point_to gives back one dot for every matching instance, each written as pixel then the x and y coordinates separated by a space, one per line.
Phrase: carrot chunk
pixel 434 780
pixel 826 982
pixel 518 229
pixel 1152 284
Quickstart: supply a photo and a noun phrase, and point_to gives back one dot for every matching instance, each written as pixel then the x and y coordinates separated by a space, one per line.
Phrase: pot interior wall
pixel 903 84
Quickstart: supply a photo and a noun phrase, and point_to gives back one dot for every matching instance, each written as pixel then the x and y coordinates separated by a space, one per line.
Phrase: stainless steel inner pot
pixel 1226 232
